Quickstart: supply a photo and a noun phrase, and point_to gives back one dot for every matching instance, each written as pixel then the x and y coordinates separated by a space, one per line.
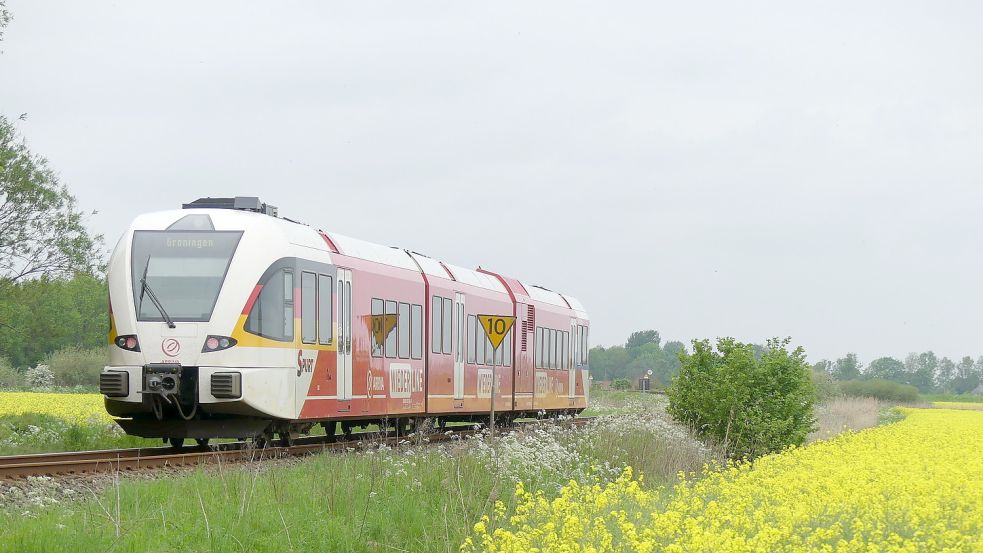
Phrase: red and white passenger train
pixel 228 321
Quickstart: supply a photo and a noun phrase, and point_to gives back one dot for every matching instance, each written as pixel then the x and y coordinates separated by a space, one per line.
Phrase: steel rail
pixel 119 460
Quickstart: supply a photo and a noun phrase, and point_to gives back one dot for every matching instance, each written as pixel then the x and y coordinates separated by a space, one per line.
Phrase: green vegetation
pixel 621 384
pixel 752 404
pixel 959 398
pixel 880 389
pixel 41 433
pixel 642 352
pixel 925 371
pixel 411 499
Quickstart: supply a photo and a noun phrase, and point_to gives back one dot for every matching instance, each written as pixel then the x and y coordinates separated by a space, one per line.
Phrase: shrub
pixel 621 384
pixel 39 377
pixel 10 378
pixel 824 386
pixel 74 366
pixel 751 405
pixel 880 389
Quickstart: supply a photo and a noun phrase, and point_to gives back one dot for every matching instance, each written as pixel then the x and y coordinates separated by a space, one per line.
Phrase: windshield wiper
pixel 144 287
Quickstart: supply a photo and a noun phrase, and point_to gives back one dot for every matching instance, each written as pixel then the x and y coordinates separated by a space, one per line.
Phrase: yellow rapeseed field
pixel 915 485
pixel 73 407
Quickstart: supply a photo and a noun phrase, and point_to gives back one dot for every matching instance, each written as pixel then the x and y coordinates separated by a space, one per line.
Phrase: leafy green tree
pixel 886 368
pixel 42 231
pixel 944 374
pixel 752 406
pixel 847 368
pixel 643 337
pixel 920 370
pixel 4 17
pixel 43 315
pixel 825 366
pixel 967 376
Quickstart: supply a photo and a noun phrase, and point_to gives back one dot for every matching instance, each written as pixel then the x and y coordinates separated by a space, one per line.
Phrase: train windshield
pixel 185 269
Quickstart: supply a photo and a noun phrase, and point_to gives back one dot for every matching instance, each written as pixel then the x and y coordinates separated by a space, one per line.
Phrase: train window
pixel 271 315
pixel 489 352
pixel 586 345
pixel 377 326
pixel 479 341
pixel 416 346
pixel 447 324
pixel 391 322
pixel 539 347
pixel 437 305
pixel 499 354
pixel 416 331
pixel 507 349
pixel 308 307
pixel 546 348
pixel 325 310
pixel 462 334
pixel 472 338
pixel 580 345
pixel 564 349
pixel 403 324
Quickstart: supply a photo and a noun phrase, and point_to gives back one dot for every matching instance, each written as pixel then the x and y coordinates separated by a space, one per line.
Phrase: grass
pixel 953 398
pixel 40 433
pixel 411 499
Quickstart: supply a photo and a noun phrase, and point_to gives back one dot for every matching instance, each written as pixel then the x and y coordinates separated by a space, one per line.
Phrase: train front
pixel 178 281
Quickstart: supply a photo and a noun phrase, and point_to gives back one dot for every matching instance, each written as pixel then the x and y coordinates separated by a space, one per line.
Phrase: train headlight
pixel 128 342
pixel 217 343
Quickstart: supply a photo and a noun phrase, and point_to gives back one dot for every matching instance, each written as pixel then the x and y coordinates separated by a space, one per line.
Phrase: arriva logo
pixel 170 347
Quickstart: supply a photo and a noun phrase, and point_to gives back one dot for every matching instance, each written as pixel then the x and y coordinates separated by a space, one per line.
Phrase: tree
pixel 824 366
pixel 41 228
pixel 4 17
pixel 920 370
pixel 967 377
pixel 753 406
pixel 847 368
pixel 641 338
pixel 886 368
pixel 944 375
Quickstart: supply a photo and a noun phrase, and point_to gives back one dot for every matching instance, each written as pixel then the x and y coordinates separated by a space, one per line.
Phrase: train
pixel 228 320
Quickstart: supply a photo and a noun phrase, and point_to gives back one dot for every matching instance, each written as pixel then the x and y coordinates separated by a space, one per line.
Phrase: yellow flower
pixel 915 485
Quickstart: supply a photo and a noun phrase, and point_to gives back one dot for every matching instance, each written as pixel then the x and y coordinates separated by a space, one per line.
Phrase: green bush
pixel 73 366
pixel 10 378
pixel 824 386
pixel 752 406
pixel 880 389
pixel 622 384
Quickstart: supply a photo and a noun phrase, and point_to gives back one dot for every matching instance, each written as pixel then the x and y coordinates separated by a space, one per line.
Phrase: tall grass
pixel 415 498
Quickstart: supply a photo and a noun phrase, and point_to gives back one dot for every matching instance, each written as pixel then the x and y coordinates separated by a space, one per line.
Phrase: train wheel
pixel 346 430
pixel 262 441
pixel 202 442
pixel 287 439
pixel 403 427
pixel 176 443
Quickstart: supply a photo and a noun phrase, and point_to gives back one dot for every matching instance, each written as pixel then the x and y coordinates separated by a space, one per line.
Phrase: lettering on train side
pixel 305 364
pixel 404 381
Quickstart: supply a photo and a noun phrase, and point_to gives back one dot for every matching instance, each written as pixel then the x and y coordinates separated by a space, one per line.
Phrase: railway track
pixel 125 460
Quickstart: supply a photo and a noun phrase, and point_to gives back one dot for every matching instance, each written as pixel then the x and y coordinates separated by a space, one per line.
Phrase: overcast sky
pixel 704 169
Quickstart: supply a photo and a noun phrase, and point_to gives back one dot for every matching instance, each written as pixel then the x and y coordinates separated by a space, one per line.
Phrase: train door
pixel 344 334
pixel 525 372
pixel 459 350
pixel 568 363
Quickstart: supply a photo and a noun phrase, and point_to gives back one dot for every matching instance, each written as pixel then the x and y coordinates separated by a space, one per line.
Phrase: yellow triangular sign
pixel 496 327
pixel 382 325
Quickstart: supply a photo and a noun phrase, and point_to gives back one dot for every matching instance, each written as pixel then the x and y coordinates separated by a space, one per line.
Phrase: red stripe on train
pixel 252 299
